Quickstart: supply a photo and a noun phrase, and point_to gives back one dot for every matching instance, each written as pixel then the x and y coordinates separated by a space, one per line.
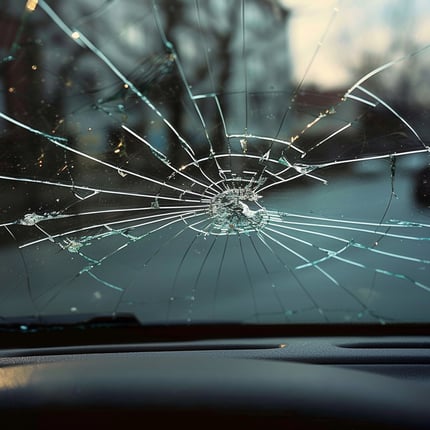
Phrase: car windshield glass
pixel 205 161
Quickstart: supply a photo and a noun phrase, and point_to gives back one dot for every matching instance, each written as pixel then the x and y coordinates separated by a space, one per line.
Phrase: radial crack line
pixel 322 271
pixel 308 67
pixel 164 159
pixel 105 225
pixel 90 267
pixel 81 39
pixel 99 190
pixel 390 254
pixel 330 254
pixel 361 230
pixel 305 242
pixel 293 274
pixel 317 233
pixel 335 133
pixel 384 67
pixel 350 243
pixel 171 47
pixel 361 100
pixel 301 257
pixel 326 274
pixel 32 130
pixel 116 168
pixel 57 141
pixel 398 224
pixel 385 272
pixel 110 211
pixel 379 100
pixel 283 181
pixel 105 283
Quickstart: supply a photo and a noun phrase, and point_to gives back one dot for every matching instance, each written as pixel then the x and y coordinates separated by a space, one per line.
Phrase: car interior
pixel 214 213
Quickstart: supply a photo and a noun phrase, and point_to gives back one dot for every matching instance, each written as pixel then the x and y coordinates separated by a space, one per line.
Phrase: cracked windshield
pixel 215 161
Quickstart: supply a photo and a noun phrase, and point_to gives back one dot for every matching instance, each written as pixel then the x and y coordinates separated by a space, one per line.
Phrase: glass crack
pixel 197 161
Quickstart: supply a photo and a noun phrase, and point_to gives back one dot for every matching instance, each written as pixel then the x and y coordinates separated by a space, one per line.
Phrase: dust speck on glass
pixel 204 161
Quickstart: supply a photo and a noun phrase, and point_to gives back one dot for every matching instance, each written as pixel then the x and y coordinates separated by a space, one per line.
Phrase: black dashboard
pixel 302 382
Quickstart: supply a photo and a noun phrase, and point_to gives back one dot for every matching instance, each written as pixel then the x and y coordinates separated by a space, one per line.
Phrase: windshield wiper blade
pixel 69 330
pixel 60 322
pixel 65 333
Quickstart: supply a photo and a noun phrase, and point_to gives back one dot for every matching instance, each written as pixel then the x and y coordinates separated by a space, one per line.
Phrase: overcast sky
pixel 350 30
